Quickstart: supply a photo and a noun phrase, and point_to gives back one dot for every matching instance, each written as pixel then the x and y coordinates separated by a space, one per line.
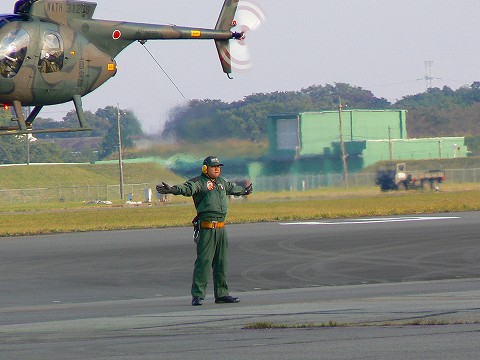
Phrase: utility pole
pixel 27 136
pixel 120 161
pixel 27 144
pixel 342 144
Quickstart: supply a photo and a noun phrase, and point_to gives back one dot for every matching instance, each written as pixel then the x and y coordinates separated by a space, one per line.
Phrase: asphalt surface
pixel 125 294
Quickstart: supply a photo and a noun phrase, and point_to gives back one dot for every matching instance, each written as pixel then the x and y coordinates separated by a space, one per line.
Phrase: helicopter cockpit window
pixel 13 48
pixel 52 55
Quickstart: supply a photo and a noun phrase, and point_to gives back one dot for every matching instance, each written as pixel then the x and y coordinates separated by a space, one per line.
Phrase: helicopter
pixel 54 52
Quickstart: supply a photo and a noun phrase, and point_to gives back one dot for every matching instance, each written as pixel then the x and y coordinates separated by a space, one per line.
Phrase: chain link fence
pixel 143 192
pixel 91 193
pixel 305 182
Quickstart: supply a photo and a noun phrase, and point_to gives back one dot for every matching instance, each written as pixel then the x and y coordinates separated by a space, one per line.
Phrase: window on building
pixel 287 134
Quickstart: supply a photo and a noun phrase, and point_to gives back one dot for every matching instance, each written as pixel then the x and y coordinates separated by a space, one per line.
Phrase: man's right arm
pixel 188 188
pixel 164 188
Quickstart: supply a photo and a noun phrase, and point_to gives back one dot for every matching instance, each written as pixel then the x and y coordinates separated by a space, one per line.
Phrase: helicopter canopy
pixel 13 48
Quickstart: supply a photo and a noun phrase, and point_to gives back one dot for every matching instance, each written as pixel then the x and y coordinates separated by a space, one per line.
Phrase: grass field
pixel 56 217
pixel 260 207
pixel 41 176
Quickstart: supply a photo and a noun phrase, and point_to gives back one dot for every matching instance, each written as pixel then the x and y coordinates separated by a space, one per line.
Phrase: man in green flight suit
pixel 210 196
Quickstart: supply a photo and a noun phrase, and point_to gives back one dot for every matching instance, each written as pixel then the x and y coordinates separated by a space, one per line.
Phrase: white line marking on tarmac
pixel 374 220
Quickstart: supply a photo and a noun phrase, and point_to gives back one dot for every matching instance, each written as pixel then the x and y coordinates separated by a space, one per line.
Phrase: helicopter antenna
pixel 160 66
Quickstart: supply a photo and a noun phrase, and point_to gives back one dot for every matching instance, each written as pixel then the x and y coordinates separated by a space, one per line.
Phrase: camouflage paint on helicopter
pixel 53 51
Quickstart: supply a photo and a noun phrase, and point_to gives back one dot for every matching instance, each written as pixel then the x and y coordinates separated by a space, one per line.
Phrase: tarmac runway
pixel 125 294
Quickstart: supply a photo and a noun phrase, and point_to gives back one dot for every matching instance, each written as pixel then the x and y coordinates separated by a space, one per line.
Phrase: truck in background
pixel 394 176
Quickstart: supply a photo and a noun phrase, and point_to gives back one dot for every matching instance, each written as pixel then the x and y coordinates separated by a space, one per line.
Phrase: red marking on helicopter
pixel 117 34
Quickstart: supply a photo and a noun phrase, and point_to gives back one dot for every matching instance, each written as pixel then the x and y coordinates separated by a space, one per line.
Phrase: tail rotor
pixel 233 53
pixel 249 17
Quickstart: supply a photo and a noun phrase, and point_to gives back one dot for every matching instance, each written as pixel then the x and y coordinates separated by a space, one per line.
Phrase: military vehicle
pixel 395 176
pixel 53 51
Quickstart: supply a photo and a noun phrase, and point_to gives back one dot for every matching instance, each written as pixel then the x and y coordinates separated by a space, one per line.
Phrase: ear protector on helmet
pixel 204 169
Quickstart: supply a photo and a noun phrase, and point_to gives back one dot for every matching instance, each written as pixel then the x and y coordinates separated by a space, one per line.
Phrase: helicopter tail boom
pixel 221 34
pixel 126 33
pixel 134 32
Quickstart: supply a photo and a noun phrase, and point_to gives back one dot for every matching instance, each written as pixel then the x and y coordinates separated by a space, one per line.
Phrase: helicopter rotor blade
pixel 249 17
pixel 239 55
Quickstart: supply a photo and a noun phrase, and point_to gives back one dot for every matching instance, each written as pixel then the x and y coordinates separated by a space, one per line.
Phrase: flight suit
pixel 211 201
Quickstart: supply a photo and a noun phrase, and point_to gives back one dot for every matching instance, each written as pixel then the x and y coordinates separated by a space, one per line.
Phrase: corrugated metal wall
pixel 319 130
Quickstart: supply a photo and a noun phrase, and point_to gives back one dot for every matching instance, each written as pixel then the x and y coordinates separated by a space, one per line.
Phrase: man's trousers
pixel 212 248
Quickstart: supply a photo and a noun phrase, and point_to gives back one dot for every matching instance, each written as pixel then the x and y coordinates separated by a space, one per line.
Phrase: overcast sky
pixel 379 45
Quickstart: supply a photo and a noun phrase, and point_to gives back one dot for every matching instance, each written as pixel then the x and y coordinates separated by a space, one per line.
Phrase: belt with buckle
pixel 212 224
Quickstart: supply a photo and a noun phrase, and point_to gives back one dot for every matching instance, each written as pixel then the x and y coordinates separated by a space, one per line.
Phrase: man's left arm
pixel 237 190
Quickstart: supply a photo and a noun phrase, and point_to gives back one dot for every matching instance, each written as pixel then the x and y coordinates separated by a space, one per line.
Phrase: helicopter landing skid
pixel 10 130
pixel 25 125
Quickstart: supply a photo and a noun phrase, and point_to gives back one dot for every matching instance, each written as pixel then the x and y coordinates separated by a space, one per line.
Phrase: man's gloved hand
pixel 166 189
pixel 248 190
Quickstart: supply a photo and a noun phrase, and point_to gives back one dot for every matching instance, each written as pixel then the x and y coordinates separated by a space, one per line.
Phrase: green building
pixel 310 142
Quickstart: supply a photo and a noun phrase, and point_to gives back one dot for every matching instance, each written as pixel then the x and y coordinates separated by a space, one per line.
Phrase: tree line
pixel 435 112
pixel 104 124
pixel 246 119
